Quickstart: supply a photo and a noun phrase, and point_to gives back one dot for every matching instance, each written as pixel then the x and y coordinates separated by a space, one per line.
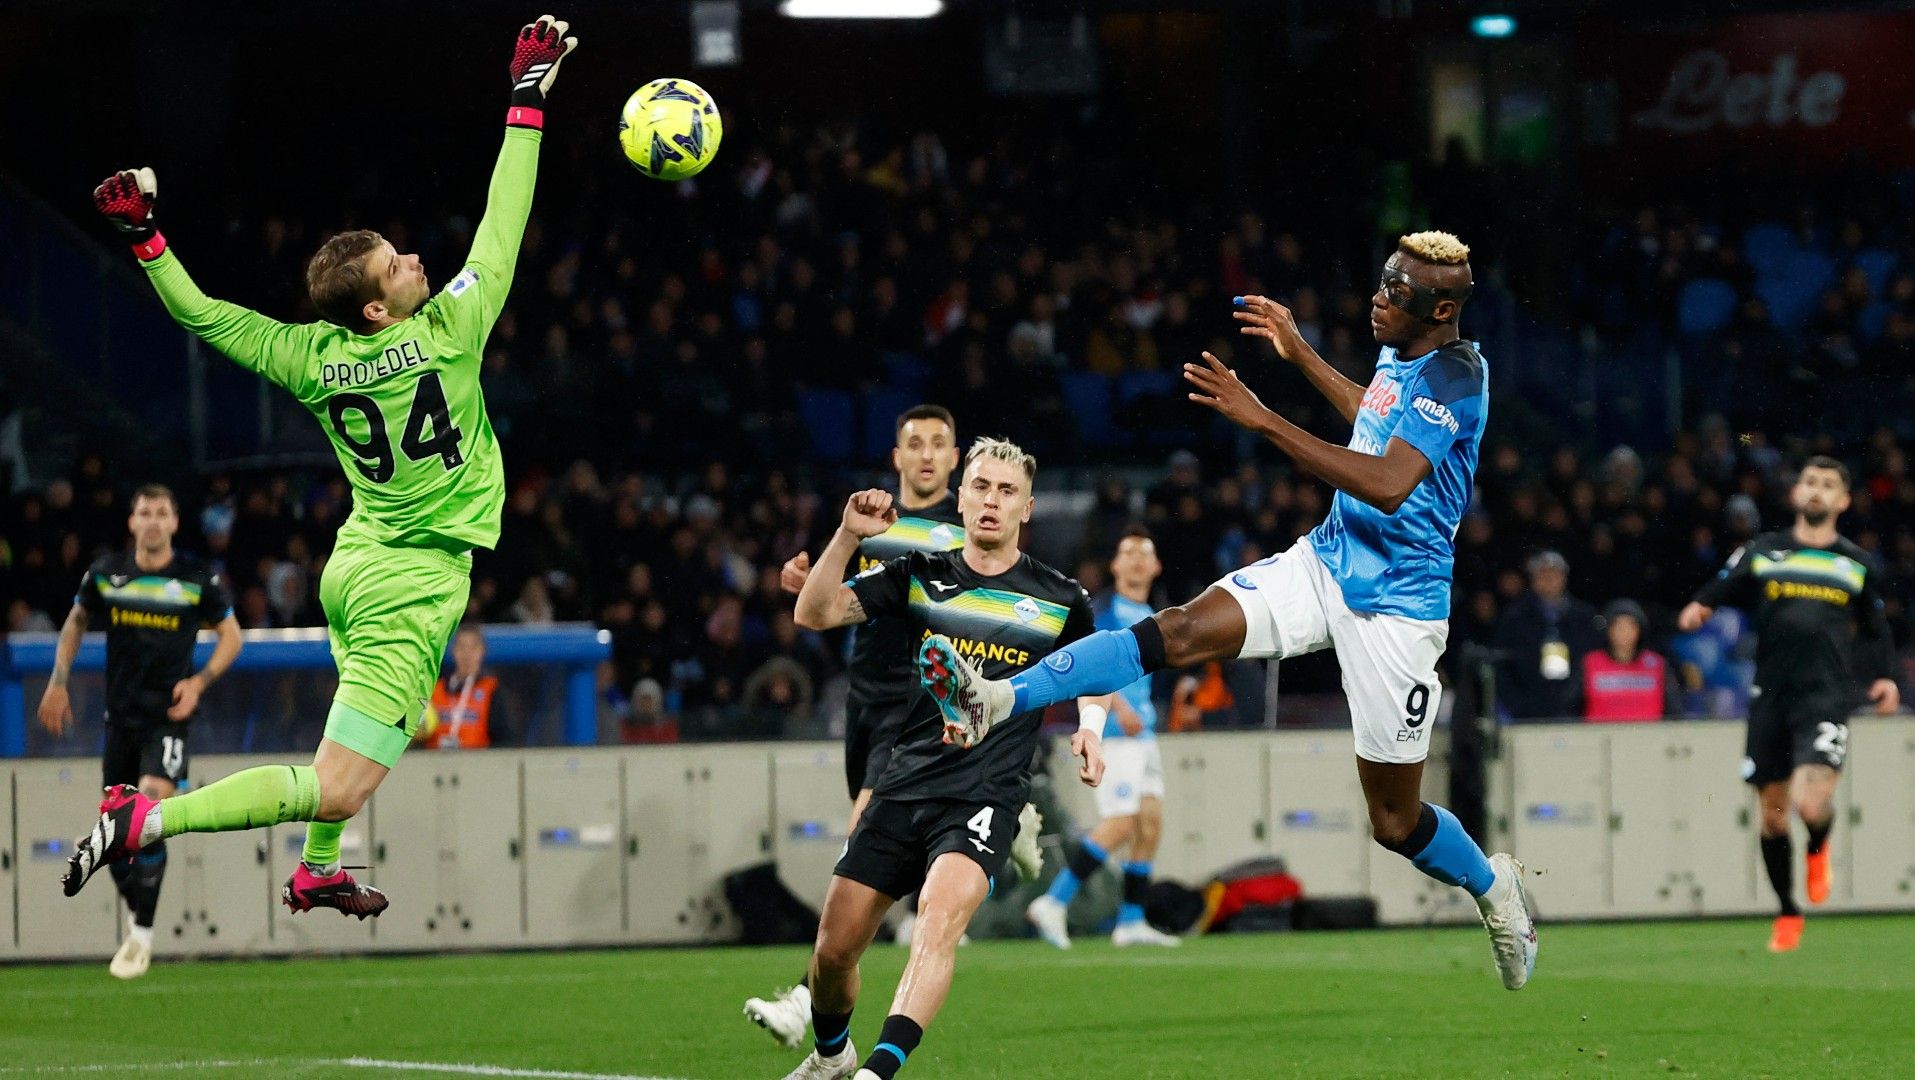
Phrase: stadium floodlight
pixel 1493 26
pixel 861 9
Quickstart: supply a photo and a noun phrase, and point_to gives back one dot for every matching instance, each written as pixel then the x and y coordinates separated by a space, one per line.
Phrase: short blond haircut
pixel 1436 248
pixel 1002 450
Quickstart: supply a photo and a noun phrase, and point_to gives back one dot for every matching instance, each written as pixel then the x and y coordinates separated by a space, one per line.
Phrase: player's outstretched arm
pixel 538 50
pixel 1265 318
pixel 275 349
pixel 825 602
pixel 1383 482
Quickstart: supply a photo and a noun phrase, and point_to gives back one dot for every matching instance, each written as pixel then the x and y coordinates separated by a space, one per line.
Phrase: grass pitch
pixel 1637 1000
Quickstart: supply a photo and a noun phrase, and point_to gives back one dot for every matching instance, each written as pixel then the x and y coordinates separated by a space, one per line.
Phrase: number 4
pixel 980 823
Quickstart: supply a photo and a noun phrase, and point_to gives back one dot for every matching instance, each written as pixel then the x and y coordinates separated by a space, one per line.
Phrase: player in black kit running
pixel 151 601
pixel 1820 633
pixel 941 817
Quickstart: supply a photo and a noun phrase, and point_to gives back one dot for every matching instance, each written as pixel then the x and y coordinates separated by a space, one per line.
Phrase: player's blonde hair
pixel 1002 450
pixel 1436 248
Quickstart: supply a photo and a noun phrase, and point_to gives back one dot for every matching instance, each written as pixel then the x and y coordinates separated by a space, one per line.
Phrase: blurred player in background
pixel 393 376
pixel 1130 801
pixel 153 602
pixel 882 678
pixel 942 817
pixel 1372 582
pixel 1820 629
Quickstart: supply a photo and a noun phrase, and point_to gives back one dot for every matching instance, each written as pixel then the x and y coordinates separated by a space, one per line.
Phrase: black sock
pixel 1150 645
pixel 1136 886
pixel 1818 835
pixel 149 869
pixel 1085 863
pixel 829 1030
pixel 1780 862
pixel 895 1042
pixel 1419 837
pixel 806 981
pixel 125 881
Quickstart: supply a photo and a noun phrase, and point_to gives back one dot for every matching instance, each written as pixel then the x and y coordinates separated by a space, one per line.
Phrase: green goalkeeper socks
pixel 322 845
pixel 249 799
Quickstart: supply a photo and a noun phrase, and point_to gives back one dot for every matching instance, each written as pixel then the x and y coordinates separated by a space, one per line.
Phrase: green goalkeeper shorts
pixel 390 612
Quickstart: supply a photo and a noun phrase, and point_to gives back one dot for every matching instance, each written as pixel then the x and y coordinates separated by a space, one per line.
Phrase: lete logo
pixel 1702 95
pixel 1436 412
pixel 1380 398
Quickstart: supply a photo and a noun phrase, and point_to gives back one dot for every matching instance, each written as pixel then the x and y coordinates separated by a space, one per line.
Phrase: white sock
pixel 150 828
pixel 141 934
pixel 327 870
pixel 1498 891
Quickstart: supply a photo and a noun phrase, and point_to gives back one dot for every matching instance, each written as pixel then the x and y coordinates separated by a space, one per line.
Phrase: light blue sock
pixel 1451 857
pixel 1064 886
pixel 1098 664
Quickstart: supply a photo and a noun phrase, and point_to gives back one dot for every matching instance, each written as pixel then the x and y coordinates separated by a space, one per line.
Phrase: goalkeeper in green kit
pixel 393 376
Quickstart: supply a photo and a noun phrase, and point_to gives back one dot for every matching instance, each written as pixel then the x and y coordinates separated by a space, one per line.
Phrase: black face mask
pixel 1407 294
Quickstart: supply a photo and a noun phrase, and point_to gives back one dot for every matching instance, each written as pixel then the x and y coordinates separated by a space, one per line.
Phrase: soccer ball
pixel 670 129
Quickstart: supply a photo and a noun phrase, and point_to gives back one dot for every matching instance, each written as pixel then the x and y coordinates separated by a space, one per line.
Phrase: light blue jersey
pixel 1401 563
pixel 1121 613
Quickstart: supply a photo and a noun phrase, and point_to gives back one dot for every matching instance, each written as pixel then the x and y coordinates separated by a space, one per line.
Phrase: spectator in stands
pixel 648 722
pixel 466 699
pixel 1543 637
pixel 1624 681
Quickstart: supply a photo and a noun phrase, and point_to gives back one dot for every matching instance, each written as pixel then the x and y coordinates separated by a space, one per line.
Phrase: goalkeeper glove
pixel 541 47
pixel 126 199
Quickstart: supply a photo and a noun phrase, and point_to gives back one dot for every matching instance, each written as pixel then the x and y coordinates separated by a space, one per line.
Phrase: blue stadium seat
pixel 1767 245
pixel 1792 286
pixel 1872 321
pixel 1705 306
pixel 1878 266
pixel 830 418
pixel 1087 396
pixel 881 409
pixel 907 372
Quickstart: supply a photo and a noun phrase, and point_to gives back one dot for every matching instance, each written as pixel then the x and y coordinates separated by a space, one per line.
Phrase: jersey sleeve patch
pixel 466 279
pixel 1453 375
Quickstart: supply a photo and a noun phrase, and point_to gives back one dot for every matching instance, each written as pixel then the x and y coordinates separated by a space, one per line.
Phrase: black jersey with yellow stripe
pixel 1004 622
pixel 151 618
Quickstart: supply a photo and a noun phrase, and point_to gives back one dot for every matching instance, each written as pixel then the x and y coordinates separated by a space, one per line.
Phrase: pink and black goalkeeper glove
pixel 541 47
pixel 126 199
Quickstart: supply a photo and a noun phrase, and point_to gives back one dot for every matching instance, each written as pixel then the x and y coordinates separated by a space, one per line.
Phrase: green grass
pixel 1666 999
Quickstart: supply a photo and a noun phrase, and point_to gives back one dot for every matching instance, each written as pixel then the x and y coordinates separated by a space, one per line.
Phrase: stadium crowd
pixel 640 398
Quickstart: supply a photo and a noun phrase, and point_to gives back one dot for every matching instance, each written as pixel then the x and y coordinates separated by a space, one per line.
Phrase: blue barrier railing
pixel 576 647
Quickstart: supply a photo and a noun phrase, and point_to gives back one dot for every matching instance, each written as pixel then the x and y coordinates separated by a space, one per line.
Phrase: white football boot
pixel 1048 915
pixel 836 1067
pixel 1026 855
pixel 971 704
pixel 787 1015
pixel 1512 933
pixel 135 955
pixel 1142 933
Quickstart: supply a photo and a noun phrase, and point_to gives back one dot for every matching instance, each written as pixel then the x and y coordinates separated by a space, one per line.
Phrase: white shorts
pixel 1291 606
pixel 1133 768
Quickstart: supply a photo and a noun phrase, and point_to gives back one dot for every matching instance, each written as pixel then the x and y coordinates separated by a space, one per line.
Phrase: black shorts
pixel 1791 728
pixel 896 842
pixel 870 734
pixel 155 748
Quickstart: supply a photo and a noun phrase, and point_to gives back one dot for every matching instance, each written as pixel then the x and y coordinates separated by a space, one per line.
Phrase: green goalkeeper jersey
pixel 402 406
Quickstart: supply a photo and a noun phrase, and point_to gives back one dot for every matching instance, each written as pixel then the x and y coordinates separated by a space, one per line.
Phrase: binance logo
pixel 145 620
pixel 1796 590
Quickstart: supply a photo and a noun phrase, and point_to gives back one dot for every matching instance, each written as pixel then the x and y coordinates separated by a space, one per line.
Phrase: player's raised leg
pixel 1211 627
pixel 852 914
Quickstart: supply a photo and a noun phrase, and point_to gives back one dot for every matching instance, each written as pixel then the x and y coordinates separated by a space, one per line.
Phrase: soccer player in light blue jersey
pixel 1130 801
pixel 1372 582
